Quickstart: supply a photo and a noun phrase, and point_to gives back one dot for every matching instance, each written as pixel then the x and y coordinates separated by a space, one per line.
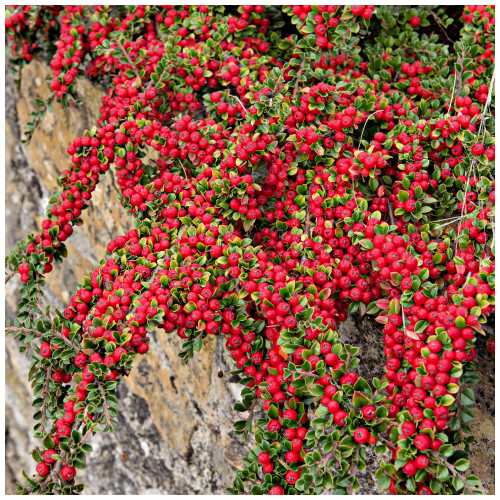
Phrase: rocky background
pixel 175 423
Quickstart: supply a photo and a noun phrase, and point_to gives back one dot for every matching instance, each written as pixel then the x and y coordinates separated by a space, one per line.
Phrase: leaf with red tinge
pixel 479 330
pixel 396 278
pixel 359 400
pixel 362 309
pixel 382 319
pixel 412 335
pixel 319 150
pixel 487 251
pixel 383 303
pixel 354 170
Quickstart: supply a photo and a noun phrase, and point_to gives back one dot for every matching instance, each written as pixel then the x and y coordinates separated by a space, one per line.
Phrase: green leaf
pixel 467 397
pixel 48 443
pixel 462 465
pixel 446 450
pixel 458 484
pixel 198 344
pixel 384 482
pixel 435 486
pixel 75 436
pixel 443 473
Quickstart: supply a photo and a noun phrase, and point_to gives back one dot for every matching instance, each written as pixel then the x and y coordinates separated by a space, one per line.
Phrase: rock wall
pixel 175 422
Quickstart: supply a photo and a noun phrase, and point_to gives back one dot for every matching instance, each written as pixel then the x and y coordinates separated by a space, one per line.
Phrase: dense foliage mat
pixel 283 167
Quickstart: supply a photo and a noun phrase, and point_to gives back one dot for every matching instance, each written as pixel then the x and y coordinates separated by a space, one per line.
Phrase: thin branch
pixel 45 394
pixel 87 434
pixel 326 458
pixel 364 126
pixel 454 471
pixel 384 22
pixel 39 335
pixel 251 410
pixel 440 459
pixel 104 404
pixel 299 74
pixel 306 374
pixel 352 468
pixel 458 399
pixel 37 119
pixel 439 23
pixel 459 82
pixel 16 329
pixel 392 220
pixel 10 275
pixel 126 54
pixel 238 99
pixel 307 228
pixel 55 491
pixel 66 341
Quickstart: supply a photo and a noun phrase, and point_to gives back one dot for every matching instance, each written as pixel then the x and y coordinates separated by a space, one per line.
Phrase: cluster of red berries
pixel 268 219
pixel 24 21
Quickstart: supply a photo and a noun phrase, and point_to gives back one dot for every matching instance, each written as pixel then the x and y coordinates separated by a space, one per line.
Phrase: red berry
pixel 415 21
pixel 276 490
pixel 361 435
pixel 68 473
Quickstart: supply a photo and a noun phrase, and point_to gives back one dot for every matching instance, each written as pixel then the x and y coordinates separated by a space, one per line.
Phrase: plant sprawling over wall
pixel 283 167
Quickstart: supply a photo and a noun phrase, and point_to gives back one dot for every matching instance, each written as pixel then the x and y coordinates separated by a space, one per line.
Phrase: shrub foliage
pixel 283 167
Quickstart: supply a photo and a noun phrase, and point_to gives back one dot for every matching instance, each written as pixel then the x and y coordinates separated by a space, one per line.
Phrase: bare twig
pixel 301 374
pixel 458 399
pixel 238 99
pixel 392 220
pixel 307 226
pixel 386 26
pixel 364 126
pixel 439 23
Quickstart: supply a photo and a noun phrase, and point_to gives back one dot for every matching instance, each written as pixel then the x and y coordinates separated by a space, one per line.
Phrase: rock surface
pixel 175 422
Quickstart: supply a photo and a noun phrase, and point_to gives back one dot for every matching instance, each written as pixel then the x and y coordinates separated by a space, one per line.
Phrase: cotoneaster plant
pixel 306 163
